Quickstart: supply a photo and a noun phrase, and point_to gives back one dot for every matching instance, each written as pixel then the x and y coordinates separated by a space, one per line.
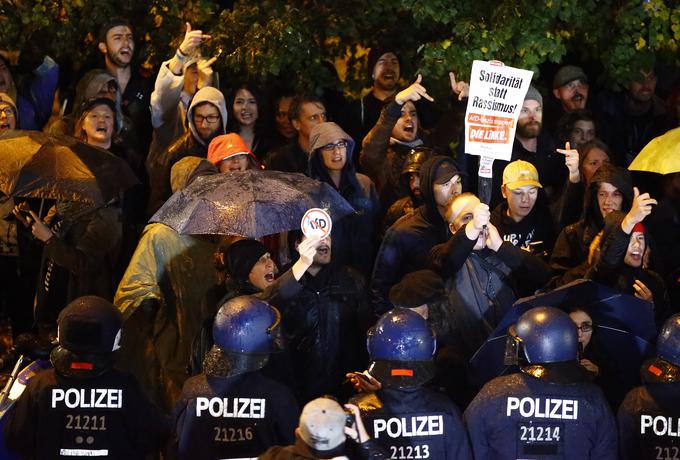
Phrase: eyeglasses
pixel 585 327
pixel 330 147
pixel 198 119
pixel 7 112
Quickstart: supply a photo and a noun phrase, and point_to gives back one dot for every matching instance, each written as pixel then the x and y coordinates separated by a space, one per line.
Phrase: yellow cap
pixel 520 173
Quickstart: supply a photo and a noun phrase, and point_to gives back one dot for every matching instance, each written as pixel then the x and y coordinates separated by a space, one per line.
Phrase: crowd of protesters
pixel 563 208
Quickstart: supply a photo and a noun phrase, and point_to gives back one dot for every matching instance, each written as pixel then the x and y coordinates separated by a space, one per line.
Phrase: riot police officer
pixel 409 420
pixel 83 407
pixel 549 409
pixel 231 410
pixel 649 417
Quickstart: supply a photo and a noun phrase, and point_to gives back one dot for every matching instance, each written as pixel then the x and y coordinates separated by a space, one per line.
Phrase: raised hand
pixel 461 88
pixel 192 40
pixel 413 93
pixel 642 207
pixel 571 159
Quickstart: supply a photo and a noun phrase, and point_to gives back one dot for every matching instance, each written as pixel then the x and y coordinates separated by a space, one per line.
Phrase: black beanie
pixel 241 256
pixel 416 289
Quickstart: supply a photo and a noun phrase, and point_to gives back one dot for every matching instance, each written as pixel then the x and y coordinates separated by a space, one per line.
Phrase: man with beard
pixel 360 116
pixel 532 144
pixel 207 119
pixel 570 88
pixel 117 44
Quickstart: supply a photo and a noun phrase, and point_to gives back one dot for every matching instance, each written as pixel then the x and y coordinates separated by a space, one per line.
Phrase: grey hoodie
pixel 216 98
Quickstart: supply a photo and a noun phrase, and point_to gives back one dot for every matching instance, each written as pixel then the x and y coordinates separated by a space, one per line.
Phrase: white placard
pixel 494 104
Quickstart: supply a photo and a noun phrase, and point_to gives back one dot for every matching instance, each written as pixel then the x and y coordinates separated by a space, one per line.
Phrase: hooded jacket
pixel 570 254
pixel 87 88
pixel 354 236
pixel 160 298
pixel 383 157
pixel 610 269
pixel 189 144
pixel 407 243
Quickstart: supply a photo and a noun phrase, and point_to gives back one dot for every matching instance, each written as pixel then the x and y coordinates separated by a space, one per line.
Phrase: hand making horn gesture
pixel 413 93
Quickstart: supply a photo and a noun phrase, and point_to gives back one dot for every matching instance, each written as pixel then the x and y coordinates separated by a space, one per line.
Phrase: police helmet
pixel 544 341
pixel 665 367
pixel 401 347
pixel 88 332
pixel 247 324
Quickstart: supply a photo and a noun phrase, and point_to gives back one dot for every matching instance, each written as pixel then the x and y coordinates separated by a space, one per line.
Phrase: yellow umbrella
pixel 661 155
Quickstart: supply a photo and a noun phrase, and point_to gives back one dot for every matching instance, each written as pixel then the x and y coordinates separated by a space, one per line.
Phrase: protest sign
pixel 316 222
pixel 494 104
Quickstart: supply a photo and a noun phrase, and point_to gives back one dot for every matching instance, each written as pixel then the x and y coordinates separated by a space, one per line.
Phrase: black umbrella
pixel 624 327
pixel 40 165
pixel 248 203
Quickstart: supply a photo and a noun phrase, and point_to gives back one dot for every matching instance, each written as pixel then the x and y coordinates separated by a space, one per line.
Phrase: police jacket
pixel 649 422
pixel 414 423
pixel 107 415
pixel 519 416
pixel 325 326
pixel 406 244
pixel 232 417
pixel 482 285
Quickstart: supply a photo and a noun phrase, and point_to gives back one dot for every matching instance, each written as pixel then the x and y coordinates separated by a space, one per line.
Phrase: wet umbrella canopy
pixel 248 203
pixel 40 165
pixel 624 324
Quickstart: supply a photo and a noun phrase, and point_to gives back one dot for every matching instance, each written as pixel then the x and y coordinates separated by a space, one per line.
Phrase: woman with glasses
pixel 330 161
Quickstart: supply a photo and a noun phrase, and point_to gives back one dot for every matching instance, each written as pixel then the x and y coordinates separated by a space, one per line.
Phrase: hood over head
pixel 88 87
pixel 187 169
pixel 619 178
pixel 216 98
pixel 324 134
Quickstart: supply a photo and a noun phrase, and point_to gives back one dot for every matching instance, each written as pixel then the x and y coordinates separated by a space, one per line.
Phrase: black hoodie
pixel 571 249
pixel 407 243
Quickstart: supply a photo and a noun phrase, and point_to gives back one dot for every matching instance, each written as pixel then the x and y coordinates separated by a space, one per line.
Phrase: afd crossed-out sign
pixel 494 104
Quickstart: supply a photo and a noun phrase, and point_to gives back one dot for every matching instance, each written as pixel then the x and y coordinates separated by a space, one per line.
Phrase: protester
pixel 386 146
pixel 532 144
pixel 34 107
pixel 524 219
pixel 635 116
pixel 84 406
pixel 9 114
pixel 401 347
pixel 81 244
pixel 177 82
pixel 232 410
pixel 160 297
pixel 550 408
pixel 330 161
pixel 207 119
pixel 406 244
pixel 384 68
pixel 252 271
pixel 570 88
pixel 576 127
pixel 484 275
pixel 116 43
pixel 610 189
pixel 622 254
pixel 306 111
pixel 283 128
pixel 248 118
pixel 324 323
pixel 228 152
pixel 410 178
pixel 648 414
